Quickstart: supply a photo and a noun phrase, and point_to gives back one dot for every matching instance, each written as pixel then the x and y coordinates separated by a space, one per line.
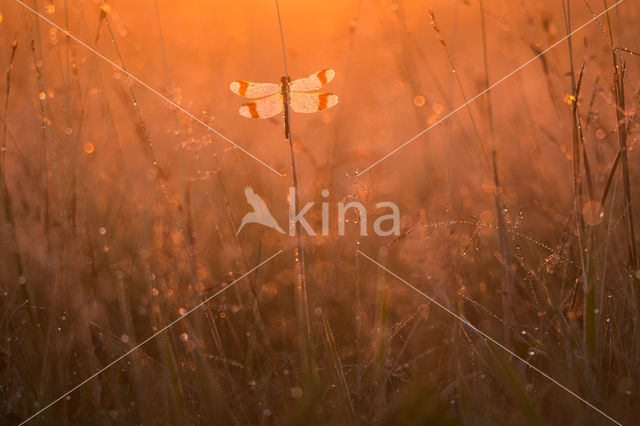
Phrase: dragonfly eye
pixel 285 79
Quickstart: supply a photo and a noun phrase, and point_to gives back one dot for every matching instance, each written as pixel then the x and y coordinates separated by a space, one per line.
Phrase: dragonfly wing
pixel 249 89
pixel 313 82
pixel 263 108
pixel 312 102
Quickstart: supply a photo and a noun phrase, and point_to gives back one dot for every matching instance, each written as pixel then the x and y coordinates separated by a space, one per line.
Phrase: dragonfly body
pixel 269 99
pixel 286 101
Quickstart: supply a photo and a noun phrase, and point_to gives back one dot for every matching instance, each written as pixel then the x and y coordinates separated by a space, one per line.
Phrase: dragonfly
pixel 270 99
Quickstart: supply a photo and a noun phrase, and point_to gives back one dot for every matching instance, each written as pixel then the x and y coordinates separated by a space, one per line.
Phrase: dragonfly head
pixel 285 80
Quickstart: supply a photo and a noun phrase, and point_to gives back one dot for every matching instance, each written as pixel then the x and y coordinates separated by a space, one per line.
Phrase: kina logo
pixel 261 215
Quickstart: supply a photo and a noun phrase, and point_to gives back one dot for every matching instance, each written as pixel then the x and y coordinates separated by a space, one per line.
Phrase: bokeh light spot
pixel 397 85
pixel 296 392
pixel 88 148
